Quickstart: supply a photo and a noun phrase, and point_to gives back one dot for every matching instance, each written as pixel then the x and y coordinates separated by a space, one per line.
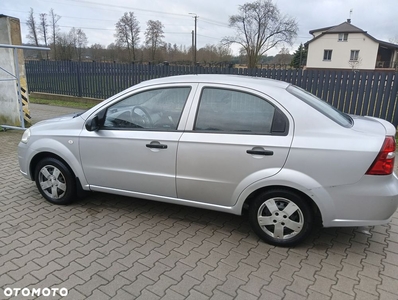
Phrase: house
pixel 346 46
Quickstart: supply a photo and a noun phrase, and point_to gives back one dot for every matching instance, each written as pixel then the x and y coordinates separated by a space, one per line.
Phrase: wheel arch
pixel 313 206
pixel 81 192
pixel 45 154
pixel 39 156
pixel 65 151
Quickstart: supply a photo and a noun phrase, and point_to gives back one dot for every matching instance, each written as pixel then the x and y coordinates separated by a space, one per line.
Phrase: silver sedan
pixel 225 143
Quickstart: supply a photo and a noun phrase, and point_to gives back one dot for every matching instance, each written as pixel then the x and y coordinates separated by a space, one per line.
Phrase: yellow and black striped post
pixel 25 100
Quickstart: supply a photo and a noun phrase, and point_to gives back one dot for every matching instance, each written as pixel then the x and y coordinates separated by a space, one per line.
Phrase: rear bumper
pixel 371 201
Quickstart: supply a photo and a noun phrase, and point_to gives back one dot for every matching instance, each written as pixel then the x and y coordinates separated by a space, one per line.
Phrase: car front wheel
pixel 55 181
pixel 280 217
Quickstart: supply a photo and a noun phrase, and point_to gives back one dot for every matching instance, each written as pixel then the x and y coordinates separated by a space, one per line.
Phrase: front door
pixel 135 148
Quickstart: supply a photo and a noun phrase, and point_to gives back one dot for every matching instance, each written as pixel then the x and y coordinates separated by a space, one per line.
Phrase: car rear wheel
pixel 55 181
pixel 280 217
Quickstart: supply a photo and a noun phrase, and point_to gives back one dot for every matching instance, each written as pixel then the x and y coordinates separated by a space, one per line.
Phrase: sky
pixel 97 18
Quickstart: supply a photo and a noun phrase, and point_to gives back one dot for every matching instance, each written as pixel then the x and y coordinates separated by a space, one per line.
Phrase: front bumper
pixel 22 159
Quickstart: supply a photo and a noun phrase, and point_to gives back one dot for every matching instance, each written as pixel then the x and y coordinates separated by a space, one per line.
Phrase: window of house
pixel 343 37
pixel 327 55
pixel 354 55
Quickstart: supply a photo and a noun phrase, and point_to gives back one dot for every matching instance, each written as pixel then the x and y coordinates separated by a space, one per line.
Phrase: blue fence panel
pixel 356 92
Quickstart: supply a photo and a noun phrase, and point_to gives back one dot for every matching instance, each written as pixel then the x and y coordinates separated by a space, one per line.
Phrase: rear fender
pixel 302 183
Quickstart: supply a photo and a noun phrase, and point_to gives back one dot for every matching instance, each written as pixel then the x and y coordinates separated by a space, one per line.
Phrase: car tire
pixel 55 181
pixel 280 217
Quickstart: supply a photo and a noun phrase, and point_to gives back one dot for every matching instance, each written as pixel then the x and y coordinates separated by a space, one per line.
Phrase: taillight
pixel 384 162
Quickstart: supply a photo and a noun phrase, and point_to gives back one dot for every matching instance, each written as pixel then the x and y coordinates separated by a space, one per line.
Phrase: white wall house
pixel 346 46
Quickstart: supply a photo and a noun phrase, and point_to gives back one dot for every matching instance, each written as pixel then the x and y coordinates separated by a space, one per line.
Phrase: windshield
pixel 321 106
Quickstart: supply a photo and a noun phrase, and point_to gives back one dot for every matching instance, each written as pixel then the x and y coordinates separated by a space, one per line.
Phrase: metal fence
pixel 355 92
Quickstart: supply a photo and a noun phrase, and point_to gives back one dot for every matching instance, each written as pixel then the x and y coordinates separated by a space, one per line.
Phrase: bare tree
pixel 153 36
pixel 259 27
pixel 76 39
pixel 207 54
pixel 32 28
pixel 112 52
pixel 355 64
pixel 65 45
pixel 54 18
pixel 127 33
pixel 283 57
pixel 43 29
pixel 224 52
pixel 71 38
pixel 97 52
pixel 174 54
pixel 214 54
pixel 81 42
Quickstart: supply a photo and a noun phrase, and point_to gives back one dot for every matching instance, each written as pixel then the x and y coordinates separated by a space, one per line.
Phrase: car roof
pixel 238 80
pixel 269 86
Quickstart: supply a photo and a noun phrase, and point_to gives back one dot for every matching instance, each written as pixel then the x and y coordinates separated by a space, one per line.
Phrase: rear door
pixel 233 138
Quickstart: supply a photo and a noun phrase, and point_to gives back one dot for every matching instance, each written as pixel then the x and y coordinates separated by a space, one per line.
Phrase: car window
pixel 321 106
pixel 233 111
pixel 158 109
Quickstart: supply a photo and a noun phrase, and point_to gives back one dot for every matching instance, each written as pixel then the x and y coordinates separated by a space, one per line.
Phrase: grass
pixel 62 103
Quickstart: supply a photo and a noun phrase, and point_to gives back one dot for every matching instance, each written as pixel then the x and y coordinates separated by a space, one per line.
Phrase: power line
pixel 70 17
pixel 214 22
pixel 177 32
pixel 17 10
pixel 205 20
pixel 93 3
pixel 118 6
pixel 210 37
pixel 93 28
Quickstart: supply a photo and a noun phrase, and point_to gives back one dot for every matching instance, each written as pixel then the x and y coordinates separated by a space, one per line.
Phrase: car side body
pixel 302 151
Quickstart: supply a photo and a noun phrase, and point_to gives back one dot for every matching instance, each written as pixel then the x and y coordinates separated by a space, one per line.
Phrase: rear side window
pixel 231 111
pixel 321 106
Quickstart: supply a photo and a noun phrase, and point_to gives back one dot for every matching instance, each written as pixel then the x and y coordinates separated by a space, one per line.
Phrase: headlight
pixel 25 136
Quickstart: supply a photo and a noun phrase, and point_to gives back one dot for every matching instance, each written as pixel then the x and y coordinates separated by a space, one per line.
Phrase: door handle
pixel 260 152
pixel 156 146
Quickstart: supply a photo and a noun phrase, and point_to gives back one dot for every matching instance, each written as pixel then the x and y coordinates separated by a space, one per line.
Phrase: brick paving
pixel 113 247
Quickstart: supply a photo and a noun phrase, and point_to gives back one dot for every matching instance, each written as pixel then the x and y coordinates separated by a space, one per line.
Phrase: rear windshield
pixel 321 106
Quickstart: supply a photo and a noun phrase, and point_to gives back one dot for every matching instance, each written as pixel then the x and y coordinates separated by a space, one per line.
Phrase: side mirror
pixel 92 124
pixel 95 123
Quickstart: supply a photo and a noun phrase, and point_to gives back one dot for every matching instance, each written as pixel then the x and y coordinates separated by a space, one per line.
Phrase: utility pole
pixel 193 47
pixel 195 37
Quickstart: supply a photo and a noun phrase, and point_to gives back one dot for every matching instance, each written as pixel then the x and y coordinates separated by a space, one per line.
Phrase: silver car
pixel 225 143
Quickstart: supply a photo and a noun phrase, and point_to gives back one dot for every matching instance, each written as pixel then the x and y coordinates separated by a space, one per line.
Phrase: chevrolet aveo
pixel 225 143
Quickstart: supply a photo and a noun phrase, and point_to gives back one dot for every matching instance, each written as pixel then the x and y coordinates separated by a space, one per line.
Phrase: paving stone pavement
pixel 113 247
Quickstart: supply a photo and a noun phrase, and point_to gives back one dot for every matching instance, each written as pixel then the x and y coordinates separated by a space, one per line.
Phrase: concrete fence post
pixel 10 105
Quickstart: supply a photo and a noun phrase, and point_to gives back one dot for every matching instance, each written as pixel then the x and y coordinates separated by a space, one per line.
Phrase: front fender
pixel 66 148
